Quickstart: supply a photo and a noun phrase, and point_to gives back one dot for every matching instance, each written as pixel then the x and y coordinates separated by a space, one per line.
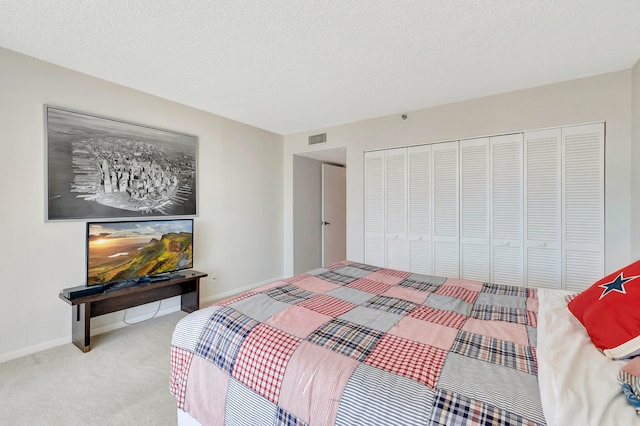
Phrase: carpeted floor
pixel 123 380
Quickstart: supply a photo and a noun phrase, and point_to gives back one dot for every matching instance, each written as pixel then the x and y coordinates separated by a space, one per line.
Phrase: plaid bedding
pixel 353 344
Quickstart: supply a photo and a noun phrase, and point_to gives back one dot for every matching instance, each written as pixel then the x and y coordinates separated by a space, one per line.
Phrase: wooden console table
pixel 87 307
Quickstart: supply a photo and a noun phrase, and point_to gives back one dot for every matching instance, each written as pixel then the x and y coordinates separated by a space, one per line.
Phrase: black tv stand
pixel 186 285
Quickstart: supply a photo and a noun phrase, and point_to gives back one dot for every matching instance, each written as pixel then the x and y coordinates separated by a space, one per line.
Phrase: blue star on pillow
pixel 616 285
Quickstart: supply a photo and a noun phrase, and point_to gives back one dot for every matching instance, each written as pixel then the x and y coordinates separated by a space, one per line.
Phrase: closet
pixel 524 209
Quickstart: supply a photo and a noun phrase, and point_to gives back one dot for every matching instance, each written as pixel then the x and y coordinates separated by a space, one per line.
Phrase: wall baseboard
pixel 29 350
pixel 173 307
pixel 227 294
pixel 34 349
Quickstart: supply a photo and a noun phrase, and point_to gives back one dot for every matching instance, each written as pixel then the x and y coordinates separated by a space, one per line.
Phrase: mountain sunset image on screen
pixel 120 251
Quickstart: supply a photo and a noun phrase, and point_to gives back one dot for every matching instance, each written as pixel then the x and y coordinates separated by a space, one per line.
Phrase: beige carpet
pixel 123 380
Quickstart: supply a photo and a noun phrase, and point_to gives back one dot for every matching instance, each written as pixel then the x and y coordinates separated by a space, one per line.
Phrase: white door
pixel 334 214
pixel 474 210
pixel 583 205
pixel 374 208
pixel 419 209
pixel 396 208
pixel 506 209
pixel 446 245
pixel 542 208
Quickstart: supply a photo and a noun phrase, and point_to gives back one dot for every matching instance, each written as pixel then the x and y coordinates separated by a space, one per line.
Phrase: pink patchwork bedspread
pixel 357 344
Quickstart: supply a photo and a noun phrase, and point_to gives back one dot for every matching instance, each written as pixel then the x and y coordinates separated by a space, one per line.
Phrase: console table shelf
pixel 87 307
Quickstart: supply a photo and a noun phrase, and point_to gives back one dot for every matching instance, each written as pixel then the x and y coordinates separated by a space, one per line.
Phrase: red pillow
pixel 610 312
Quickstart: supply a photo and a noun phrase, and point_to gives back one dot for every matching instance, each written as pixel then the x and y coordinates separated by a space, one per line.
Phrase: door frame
pixel 302 226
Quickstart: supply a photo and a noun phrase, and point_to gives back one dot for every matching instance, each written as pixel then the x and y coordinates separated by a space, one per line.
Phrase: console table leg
pixel 80 328
pixel 190 302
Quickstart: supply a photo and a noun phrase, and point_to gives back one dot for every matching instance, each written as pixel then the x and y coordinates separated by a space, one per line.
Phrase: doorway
pixel 307 207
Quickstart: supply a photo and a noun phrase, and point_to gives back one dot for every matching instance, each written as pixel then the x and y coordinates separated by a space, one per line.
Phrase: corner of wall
pixel 635 160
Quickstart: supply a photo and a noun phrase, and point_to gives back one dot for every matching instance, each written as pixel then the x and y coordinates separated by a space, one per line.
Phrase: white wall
pixel 606 97
pixel 635 163
pixel 307 231
pixel 238 234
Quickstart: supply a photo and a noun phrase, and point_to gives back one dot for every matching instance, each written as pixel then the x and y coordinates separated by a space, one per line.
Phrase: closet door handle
pixel 543 244
pixel 326 223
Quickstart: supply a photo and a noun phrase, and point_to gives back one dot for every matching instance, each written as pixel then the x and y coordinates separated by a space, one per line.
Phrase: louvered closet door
pixel 506 209
pixel 446 248
pixel 374 247
pixel 583 205
pixel 419 193
pixel 397 253
pixel 542 209
pixel 474 209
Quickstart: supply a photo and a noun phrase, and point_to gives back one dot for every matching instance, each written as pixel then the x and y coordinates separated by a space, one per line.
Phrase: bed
pixel 354 344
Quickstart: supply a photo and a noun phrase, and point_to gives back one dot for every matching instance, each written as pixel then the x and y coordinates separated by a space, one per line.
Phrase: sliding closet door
pixel 542 208
pixel 397 253
pixel 506 209
pixel 419 194
pixel 374 208
pixel 474 209
pixel 446 247
pixel 583 205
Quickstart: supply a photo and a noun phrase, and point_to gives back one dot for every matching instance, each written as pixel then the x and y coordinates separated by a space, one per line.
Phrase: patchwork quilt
pixel 354 344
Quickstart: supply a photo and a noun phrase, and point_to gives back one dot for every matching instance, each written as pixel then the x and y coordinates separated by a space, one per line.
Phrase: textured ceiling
pixel 297 65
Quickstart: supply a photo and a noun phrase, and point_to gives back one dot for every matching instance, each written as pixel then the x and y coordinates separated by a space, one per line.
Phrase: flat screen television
pixel 130 252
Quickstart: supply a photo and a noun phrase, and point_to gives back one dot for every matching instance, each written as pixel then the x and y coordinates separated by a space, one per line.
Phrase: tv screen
pixel 133 251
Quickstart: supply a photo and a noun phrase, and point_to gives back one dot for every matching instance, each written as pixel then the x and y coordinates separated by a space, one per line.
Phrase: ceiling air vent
pixel 321 138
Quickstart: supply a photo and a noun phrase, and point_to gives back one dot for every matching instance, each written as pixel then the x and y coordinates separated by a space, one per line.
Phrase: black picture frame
pixel 105 168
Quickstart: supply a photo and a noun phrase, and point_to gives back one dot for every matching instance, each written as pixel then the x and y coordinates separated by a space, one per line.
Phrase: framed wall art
pixel 102 168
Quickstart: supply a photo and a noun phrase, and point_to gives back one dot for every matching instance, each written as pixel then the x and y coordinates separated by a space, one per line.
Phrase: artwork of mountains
pixel 103 168
pixel 120 251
